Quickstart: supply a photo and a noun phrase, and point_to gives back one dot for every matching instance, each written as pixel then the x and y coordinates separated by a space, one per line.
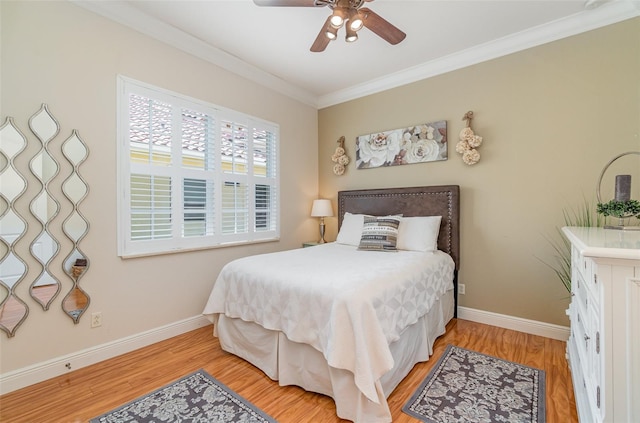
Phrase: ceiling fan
pixel 347 13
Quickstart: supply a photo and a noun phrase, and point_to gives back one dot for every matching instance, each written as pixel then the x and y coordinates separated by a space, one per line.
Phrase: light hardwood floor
pixel 85 393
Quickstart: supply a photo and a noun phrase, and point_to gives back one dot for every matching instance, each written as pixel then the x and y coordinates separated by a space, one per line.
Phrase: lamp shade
pixel 331 32
pixel 355 21
pixel 321 208
pixel 351 35
pixel 338 17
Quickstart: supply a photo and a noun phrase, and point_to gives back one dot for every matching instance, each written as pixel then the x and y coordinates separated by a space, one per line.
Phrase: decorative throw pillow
pixel 351 229
pixel 379 233
pixel 419 233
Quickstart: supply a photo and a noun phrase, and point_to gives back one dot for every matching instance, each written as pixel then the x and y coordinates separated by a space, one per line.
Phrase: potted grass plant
pixel 561 260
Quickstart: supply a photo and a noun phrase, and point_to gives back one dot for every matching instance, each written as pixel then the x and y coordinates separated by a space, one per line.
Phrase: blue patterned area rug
pixel 196 398
pixel 467 386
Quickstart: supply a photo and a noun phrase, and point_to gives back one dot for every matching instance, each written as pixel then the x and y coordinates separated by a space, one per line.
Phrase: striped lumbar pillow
pixel 379 233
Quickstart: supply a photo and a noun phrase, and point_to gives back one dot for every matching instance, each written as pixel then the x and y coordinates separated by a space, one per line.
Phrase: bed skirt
pixel 292 363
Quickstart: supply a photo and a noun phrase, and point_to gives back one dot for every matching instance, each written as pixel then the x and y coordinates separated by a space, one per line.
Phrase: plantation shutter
pixel 192 175
pixel 265 176
pixel 150 152
pixel 198 163
pixel 235 192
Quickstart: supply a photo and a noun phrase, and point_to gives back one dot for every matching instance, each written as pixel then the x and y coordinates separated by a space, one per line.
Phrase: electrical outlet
pixel 461 289
pixel 96 319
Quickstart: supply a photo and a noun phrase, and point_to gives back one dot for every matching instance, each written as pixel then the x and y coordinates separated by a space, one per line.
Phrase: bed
pixel 342 321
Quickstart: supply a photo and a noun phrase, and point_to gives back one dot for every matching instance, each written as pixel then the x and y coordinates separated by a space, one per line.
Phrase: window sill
pixel 189 249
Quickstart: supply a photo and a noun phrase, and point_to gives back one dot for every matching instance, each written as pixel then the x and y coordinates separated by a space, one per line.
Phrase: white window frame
pixel 177 243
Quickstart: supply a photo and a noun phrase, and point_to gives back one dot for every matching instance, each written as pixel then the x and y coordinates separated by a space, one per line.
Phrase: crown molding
pixel 131 17
pixel 604 15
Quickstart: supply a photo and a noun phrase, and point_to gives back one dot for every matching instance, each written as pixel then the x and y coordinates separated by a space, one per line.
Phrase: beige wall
pixel 67 57
pixel 551 118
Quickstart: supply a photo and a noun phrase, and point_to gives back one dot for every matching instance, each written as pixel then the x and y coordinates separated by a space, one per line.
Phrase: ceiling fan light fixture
pixel 338 17
pixel 331 32
pixel 355 20
pixel 352 35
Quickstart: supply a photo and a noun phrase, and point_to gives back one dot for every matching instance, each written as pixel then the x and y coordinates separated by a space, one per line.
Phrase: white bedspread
pixel 347 304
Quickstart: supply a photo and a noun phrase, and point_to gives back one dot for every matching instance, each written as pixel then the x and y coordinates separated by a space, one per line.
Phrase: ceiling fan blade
pixel 292 3
pixel 321 41
pixel 381 26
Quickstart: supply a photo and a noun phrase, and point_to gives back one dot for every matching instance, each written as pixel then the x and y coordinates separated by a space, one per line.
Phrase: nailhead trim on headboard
pixel 411 201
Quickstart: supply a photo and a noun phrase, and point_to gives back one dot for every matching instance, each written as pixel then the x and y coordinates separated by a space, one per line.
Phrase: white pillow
pixel 351 229
pixel 419 233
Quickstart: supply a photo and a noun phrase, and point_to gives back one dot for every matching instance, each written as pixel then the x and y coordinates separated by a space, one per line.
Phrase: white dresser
pixel 604 346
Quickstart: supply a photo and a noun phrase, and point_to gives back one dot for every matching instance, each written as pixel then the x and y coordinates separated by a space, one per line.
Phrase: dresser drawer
pixel 585 413
pixel 592 280
pixel 581 263
pixel 579 331
pixel 582 297
pixel 594 346
pixel 585 336
pixel 586 271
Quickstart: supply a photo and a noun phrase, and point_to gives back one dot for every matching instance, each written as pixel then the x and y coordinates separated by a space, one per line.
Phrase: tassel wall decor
pixel 469 142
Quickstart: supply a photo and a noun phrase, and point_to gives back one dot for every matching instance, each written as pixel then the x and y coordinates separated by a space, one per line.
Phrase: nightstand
pixel 310 244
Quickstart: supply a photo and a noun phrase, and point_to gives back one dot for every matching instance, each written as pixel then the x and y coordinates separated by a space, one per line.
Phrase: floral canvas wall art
pixel 415 144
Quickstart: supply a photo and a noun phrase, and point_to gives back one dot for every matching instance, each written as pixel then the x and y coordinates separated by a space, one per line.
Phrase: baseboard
pixel 30 375
pixel 533 327
pixel 39 372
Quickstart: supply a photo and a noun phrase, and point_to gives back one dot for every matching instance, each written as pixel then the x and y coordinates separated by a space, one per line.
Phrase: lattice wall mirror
pixel 13 269
pixel 44 207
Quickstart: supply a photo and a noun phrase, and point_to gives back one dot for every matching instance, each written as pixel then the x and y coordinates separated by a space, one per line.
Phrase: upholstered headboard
pixel 412 201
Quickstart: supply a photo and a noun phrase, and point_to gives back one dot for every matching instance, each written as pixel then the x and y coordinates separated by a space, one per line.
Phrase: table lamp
pixel 321 208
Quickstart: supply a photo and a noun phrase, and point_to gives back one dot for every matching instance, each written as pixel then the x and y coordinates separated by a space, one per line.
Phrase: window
pixel 192 174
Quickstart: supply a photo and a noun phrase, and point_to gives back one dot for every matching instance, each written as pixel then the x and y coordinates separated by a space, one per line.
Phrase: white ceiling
pixel 270 45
